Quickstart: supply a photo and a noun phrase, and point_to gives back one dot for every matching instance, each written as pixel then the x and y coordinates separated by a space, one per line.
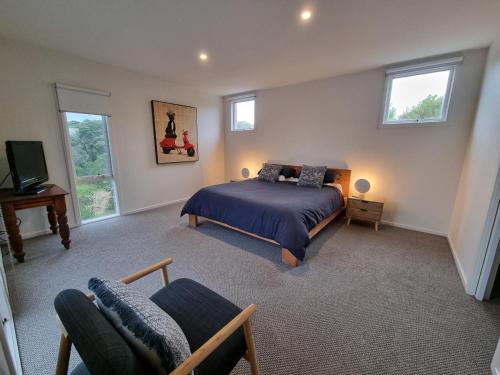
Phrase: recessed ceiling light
pixel 306 14
pixel 203 56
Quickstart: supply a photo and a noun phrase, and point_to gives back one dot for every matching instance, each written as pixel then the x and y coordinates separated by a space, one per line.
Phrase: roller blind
pixel 81 100
pixel 454 61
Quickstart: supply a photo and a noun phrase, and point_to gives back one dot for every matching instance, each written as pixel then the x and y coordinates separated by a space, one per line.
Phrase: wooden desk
pixel 52 198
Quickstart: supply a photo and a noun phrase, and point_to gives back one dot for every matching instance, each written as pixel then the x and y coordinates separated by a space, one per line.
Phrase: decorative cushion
pixel 146 327
pixel 270 172
pixel 312 176
pixel 330 176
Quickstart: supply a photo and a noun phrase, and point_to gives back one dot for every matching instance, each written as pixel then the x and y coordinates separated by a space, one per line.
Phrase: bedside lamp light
pixel 362 186
pixel 245 172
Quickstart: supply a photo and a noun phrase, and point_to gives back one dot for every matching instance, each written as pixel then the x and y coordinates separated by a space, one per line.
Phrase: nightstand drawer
pixel 364 213
pixel 366 205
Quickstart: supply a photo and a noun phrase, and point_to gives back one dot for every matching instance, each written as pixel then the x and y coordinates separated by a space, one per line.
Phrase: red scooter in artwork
pixel 168 143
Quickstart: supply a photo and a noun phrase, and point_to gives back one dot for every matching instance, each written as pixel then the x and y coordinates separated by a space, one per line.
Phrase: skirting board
pixel 37 233
pixel 415 228
pixel 26 236
pixel 153 206
pixel 459 267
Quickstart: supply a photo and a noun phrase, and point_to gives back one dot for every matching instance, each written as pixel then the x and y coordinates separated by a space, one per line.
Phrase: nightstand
pixel 368 209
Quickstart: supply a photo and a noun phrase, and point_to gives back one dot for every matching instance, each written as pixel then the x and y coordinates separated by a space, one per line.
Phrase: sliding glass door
pixel 92 167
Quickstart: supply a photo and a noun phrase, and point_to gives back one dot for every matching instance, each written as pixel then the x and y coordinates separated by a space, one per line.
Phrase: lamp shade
pixel 362 186
pixel 245 172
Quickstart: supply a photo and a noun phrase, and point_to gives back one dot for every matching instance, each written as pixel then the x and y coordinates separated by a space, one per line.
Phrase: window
pixel 95 184
pixel 419 94
pixel 243 114
pixel 85 115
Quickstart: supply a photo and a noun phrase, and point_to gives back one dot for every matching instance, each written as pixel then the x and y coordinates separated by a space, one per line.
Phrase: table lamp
pixel 362 186
pixel 245 172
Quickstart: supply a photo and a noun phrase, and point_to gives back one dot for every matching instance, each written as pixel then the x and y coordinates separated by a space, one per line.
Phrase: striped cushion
pixel 145 326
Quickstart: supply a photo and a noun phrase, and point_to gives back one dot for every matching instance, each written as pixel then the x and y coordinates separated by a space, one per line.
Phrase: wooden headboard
pixel 343 177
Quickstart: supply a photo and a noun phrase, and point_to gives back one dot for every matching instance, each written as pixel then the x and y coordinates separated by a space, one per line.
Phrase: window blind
pixel 81 100
pixel 454 61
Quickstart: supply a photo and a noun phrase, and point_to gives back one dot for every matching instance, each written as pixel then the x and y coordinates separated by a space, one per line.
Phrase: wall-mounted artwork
pixel 175 132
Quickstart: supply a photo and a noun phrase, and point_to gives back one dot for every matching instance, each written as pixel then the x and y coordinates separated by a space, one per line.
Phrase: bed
pixel 282 212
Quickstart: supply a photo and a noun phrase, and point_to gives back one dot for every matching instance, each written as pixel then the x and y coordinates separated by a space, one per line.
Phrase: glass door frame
pixel 70 166
pixel 11 351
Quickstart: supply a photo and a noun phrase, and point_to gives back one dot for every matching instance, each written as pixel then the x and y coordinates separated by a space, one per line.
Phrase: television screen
pixel 27 163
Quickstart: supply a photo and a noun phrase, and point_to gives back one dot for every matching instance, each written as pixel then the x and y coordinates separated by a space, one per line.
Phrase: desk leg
pixel 60 206
pixel 15 240
pixel 51 214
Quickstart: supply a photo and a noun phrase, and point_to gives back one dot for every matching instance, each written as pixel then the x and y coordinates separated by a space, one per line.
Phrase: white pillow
pixel 281 178
pixel 335 185
pixel 331 184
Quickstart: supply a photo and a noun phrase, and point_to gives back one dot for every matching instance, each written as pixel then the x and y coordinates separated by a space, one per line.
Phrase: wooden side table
pixel 368 208
pixel 53 198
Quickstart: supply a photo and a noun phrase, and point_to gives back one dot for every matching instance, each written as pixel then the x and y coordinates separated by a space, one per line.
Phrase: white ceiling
pixel 252 44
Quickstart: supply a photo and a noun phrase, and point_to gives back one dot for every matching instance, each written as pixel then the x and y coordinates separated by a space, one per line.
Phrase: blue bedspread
pixel 281 211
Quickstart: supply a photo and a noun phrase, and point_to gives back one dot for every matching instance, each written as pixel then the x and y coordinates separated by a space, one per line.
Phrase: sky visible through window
pixel 408 92
pixel 245 113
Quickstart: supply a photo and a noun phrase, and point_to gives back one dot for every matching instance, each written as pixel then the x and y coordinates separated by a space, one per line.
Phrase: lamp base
pixel 359 196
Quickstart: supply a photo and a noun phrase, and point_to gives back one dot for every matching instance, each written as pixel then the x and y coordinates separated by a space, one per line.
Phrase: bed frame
pixel 343 178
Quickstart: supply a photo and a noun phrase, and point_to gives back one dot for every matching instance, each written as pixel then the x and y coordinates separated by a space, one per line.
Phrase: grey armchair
pixel 218 332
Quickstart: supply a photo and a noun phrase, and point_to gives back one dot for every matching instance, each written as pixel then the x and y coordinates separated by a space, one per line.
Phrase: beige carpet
pixel 362 303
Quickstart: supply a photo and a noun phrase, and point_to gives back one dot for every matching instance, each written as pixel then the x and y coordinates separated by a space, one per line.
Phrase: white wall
pixel 28 112
pixel 479 172
pixel 334 122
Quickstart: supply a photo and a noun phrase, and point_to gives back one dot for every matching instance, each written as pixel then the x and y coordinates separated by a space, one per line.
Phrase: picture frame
pixel 175 130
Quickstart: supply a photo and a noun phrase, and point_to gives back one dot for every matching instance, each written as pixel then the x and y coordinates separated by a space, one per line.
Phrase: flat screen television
pixel 27 166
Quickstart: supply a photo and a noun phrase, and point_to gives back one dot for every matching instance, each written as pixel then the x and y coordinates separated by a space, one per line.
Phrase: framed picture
pixel 175 132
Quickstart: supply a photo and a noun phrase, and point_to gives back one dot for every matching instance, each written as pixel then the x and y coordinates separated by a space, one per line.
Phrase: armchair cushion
pixel 146 327
pixel 201 313
pixel 100 346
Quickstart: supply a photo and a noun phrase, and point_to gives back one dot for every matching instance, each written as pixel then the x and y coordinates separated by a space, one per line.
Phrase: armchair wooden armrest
pixel 162 265
pixel 242 319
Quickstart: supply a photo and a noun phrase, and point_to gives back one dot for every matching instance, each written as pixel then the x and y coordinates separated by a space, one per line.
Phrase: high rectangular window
pixel 419 94
pixel 243 114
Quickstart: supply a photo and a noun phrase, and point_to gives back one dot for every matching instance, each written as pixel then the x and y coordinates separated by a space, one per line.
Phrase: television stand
pixel 53 197
pixel 34 190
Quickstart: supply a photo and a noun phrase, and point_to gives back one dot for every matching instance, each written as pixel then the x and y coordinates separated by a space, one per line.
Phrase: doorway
pixel 495 289
pixel 10 362
pixel 493 284
pixel 90 166
pixel 488 275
